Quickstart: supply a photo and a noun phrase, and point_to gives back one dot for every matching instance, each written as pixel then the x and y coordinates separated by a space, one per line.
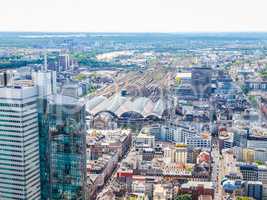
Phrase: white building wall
pixel 45 82
pixel 198 142
pixel 19 144
pixel 257 143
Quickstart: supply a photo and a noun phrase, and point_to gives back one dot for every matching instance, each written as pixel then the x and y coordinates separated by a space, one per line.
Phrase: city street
pixel 108 183
pixel 216 176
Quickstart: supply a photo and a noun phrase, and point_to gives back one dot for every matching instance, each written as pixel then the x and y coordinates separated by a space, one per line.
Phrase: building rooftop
pixel 106 137
pixel 189 184
pixel 119 105
pixel 63 100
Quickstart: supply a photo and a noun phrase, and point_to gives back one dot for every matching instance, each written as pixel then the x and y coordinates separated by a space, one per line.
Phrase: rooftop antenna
pixel 45 62
pixel 5 78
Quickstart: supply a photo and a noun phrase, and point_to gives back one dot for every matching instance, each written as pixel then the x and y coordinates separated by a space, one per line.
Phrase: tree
pixel 184 197
pixel 243 198
pixel 80 77
pixel 253 101
pixel 259 162
pixel 244 89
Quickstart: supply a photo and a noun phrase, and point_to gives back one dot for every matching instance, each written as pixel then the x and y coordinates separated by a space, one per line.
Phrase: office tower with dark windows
pixel 45 81
pixel 19 143
pixel 64 62
pixel 65 148
pixel 201 81
pixel 254 190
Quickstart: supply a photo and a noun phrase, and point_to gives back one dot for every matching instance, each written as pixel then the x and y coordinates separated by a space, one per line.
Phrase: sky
pixel 133 15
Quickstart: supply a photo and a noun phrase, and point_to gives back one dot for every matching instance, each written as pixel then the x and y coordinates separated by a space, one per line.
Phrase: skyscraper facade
pixel 64 62
pixel 45 81
pixel 19 143
pixel 254 189
pixel 201 81
pixel 65 148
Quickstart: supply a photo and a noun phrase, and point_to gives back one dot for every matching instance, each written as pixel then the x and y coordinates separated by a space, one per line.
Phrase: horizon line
pixel 135 32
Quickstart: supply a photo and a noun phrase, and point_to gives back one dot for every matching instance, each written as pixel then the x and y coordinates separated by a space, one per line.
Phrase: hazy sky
pixel 133 15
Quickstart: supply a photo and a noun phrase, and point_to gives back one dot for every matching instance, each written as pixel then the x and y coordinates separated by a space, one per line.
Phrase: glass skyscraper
pixel 63 148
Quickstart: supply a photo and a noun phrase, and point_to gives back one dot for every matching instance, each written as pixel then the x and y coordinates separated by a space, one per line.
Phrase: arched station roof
pixel 119 105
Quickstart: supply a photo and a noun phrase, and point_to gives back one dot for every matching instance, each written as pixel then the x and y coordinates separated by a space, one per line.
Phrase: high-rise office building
pixel 64 62
pixel 44 148
pixel 45 82
pixel 249 171
pixel 201 81
pixel 6 78
pixel 62 141
pixel 19 144
pixel 262 177
pixel 254 189
pixel 65 148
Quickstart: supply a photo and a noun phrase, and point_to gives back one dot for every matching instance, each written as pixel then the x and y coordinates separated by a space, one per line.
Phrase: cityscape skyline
pixel 133 100
pixel 133 116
